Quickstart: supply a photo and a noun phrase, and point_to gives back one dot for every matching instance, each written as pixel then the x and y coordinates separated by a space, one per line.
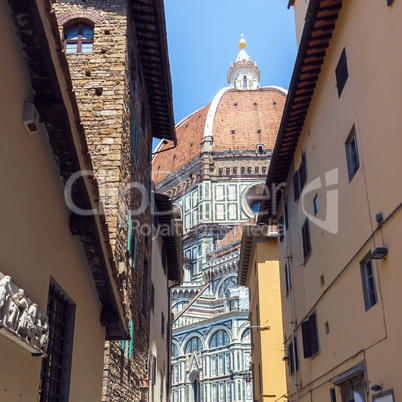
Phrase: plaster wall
pixel 370 102
pixel 159 344
pixel 36 243
pixel 267 352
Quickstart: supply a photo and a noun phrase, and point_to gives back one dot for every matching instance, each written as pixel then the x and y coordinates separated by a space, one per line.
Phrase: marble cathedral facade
pixel 215 178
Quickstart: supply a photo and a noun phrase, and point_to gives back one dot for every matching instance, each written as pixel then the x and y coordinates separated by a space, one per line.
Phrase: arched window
pixel 79 38
pixel 246 336
pixel 175 350
pixel 244 82
pixel 219 338
pixel 194 344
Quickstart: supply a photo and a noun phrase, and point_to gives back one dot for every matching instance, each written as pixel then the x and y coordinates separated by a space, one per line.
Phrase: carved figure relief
pixel 21 318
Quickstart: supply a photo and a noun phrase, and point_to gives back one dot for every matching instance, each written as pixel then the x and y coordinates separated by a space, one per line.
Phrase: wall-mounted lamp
pixel 379 253
pixel 376 388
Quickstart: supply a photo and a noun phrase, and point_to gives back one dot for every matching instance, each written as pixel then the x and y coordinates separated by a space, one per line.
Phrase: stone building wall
pixel 111 97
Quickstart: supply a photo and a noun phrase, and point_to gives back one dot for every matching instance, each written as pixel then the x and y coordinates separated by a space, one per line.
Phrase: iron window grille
pixel 55 372
pixel 79 38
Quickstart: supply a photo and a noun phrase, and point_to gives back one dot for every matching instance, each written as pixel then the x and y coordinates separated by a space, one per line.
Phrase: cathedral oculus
pixel 215 178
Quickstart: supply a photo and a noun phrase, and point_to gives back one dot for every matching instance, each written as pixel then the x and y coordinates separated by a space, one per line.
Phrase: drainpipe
pixel 290 295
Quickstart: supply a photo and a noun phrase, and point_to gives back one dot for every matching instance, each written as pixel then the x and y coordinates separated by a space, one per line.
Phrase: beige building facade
pixel 259 272
pixel 57 286
pixel 166 273
pixel 333 187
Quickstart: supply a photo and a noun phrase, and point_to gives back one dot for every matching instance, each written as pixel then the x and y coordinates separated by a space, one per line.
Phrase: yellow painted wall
pixel 371 100
pixel 264 288
pixel 36 243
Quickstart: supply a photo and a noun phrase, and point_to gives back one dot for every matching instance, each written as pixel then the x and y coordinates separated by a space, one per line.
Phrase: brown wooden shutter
pixel 303 172
pixel 306 339
pixel 296 185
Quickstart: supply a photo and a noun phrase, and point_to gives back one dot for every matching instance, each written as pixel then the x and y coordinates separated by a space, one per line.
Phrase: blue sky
pixel 203 39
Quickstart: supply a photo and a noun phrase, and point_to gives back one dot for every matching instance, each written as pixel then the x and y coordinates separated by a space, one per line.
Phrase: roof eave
pixel 152 41
pixel 315 39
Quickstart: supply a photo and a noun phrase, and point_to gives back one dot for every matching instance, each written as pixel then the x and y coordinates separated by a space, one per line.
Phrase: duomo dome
pixel 242 121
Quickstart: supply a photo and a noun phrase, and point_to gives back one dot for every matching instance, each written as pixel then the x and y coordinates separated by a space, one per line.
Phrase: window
pixel 163 324
pixel 175 350
pixel 255 206
pixel 352 153
pixel 316 206
pixel 259 379
pixel 194 344
pixel 55 372
pixel 368 282
pixel 291 360
pixel 152 296
pixel 341 72
pixel 288 280
pixel 244 82
pixel 219 338
pixel 332 394
pixel 300 177
pixel 310 336
pixel 79 38
pixel 306 238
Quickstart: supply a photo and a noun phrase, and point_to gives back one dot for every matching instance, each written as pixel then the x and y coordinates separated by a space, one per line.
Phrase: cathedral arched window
pixel 244 82
pixel 175 350
pixel 228 283
pixel 194 344
pixel 246 336
pixel 219 338
pixel 79 38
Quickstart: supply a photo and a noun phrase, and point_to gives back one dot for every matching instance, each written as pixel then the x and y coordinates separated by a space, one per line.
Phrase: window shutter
pixel 152 296
pixel 297 359
pixel 290 359
pixel 153 369
pixel 303 171
pixel 313 334
pixel 296 185
pixel 310 336
pixel 306 339
pixel 130 345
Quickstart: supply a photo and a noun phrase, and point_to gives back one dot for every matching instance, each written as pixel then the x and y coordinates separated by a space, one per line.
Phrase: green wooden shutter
pixel 130 346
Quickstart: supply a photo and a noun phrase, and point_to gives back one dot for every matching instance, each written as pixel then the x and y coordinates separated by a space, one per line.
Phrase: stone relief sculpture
pixel 5 290
pixel 20 319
